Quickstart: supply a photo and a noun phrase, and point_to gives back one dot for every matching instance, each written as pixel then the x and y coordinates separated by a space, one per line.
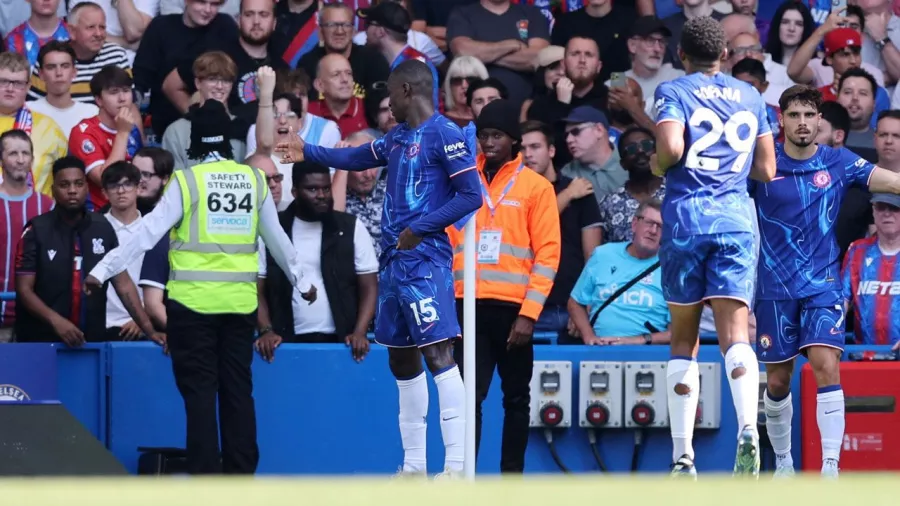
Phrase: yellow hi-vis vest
pixel 213 254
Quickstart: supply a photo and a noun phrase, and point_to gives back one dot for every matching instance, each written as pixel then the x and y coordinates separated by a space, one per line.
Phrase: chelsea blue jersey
pixel 706 191
pixel 797 213
pixel 421 161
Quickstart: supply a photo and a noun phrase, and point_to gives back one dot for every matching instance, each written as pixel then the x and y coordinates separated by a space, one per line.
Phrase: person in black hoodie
pixel 336 250
pixel 57 249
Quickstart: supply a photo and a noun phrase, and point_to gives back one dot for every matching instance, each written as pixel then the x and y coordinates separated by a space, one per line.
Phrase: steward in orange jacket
pixel 518 239
pixel 518 249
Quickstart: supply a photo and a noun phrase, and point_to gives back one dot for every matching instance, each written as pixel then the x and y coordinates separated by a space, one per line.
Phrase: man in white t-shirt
pixel 57 69
pixel 120 186
pixel 336 250
pixel 647 45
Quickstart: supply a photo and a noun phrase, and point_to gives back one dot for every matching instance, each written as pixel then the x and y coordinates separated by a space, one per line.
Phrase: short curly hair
pixel 800 94
pixel 703 40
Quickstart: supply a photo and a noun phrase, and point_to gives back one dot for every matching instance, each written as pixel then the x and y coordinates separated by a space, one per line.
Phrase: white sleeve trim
pixel 94 165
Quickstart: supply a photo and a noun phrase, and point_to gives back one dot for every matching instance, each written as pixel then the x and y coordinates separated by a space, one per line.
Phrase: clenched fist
pixel 265 80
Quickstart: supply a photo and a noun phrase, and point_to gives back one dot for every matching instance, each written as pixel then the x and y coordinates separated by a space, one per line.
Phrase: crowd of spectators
pixel 110 89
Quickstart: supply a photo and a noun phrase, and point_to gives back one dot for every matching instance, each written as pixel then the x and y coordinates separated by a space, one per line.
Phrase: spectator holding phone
pixel 647 46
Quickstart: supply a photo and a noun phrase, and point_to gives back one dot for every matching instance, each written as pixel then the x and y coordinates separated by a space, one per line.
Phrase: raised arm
pixel 798 68
pixel 265 118
pixel 358 158
pixel 147 234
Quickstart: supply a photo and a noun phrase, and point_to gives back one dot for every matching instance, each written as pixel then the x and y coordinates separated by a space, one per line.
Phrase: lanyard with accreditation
pixel 489 239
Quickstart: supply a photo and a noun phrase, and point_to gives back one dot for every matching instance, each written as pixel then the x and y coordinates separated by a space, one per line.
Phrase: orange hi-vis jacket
pixel 526 221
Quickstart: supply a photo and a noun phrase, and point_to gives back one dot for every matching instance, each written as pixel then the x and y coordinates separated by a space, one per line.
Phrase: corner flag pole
pixel 469 243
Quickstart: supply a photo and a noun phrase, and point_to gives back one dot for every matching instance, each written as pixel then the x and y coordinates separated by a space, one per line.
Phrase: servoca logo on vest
pixel 229 203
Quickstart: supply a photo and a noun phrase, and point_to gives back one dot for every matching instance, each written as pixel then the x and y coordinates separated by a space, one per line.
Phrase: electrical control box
pixel 645 395
pixel 709 407
pixel 600 394
pixel 551 394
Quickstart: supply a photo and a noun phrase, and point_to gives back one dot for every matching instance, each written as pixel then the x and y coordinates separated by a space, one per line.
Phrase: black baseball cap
pixel 646 26
pixel 387 14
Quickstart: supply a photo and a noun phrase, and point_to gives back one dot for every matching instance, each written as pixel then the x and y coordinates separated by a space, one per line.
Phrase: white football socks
pixel 744 389
pixel 413 410
pixel 830 418
pixel 779 414
pixel 452 400
pixel 682 408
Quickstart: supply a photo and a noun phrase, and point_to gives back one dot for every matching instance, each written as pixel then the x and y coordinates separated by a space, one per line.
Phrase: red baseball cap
pixel 839 38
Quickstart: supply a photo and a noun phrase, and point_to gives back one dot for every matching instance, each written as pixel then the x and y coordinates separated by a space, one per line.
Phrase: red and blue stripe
pixel 874 309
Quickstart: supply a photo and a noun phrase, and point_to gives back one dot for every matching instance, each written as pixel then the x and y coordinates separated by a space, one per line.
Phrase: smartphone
pixel 839 6
pixel 618 79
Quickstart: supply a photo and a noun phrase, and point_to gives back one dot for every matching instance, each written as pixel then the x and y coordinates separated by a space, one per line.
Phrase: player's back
pixel 418 183
pixel 706 191
pixel 797 213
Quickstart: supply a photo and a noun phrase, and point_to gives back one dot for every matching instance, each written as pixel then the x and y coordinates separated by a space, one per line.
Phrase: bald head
pixel 734 24
pixel 334 77
pixel 359 138
pixel 273 177
pixel 262 162
pixel 744 45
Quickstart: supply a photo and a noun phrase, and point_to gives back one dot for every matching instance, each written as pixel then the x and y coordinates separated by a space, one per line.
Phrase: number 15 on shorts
pixel 424 311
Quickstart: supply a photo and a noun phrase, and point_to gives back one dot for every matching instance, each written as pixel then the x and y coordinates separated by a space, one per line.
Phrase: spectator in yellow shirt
pixel 49 141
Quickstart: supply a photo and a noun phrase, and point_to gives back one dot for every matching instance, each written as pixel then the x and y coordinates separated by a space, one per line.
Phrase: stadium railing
pixel 540 338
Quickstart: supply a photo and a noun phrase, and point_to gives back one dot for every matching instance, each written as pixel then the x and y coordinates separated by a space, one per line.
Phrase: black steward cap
pixel 387 14
pixel 646 26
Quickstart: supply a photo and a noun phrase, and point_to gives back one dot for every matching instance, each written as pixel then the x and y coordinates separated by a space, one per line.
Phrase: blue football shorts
pixel 786 327
pixel 416 304
pixel 708 266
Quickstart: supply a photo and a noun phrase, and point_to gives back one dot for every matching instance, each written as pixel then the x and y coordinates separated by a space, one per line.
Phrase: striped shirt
pixel 110 54
pixel 872 283
pixel 14 214
pixel 303 28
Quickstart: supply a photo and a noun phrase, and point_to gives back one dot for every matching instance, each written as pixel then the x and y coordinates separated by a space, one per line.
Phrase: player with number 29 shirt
pixel 712 133
pixel 706 212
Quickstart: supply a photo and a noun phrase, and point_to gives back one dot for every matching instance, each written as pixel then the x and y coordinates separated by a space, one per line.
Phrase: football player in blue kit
pixel 712 132
pixel 800 300
pixel 432 183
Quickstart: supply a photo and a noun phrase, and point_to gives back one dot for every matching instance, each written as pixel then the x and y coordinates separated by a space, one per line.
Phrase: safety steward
pixel 518 256
pixel 216 211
